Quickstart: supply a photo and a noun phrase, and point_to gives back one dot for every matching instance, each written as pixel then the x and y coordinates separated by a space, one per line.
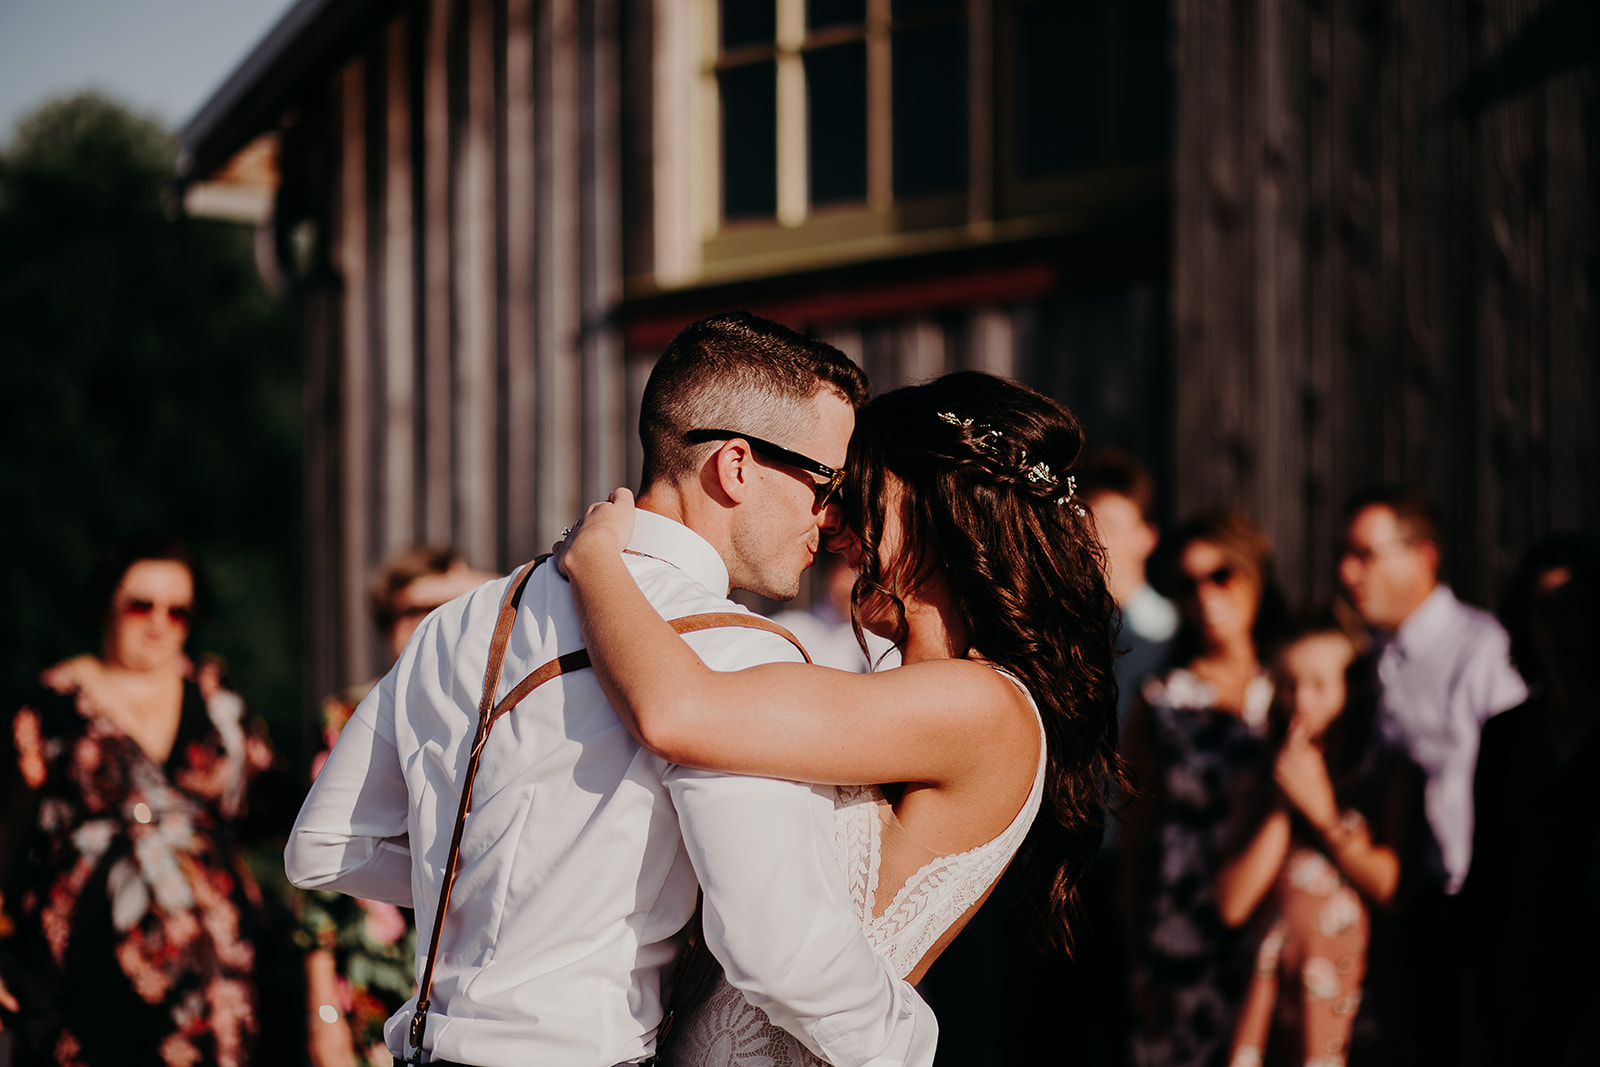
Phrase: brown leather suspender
pixel 489 711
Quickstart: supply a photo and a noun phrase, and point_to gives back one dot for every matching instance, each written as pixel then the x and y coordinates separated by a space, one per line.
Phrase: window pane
pixel 1060 87
pixel 836 87
pixel 821 13
pixel 749 140
pixel 1146 103
pixel 930 109
pixel 748 22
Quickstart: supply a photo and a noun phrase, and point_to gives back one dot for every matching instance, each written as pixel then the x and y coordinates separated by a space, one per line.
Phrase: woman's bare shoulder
pixel 992 706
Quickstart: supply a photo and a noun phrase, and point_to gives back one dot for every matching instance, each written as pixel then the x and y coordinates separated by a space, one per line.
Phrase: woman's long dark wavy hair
pixel 982 465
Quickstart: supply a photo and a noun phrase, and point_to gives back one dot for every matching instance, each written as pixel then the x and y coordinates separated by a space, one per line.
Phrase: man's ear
pixel 1149 538
pixel 1430 557
pixel 730 467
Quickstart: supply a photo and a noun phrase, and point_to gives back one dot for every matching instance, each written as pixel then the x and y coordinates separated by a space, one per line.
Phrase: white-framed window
pixel 798 132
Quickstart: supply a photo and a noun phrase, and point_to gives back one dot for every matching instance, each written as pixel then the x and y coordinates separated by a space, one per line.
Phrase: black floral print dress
pixel 129 912
pixel 1198 965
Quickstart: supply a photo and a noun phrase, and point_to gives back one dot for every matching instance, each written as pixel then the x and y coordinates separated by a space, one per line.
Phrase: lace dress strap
pixel 941 891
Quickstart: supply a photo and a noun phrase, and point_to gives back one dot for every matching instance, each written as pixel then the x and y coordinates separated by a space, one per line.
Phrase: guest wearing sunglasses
pixel 133 917
pixel 1193 731
pixel 360 953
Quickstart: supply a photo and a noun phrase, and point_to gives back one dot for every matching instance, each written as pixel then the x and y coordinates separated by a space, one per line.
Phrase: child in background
pixel 1317 837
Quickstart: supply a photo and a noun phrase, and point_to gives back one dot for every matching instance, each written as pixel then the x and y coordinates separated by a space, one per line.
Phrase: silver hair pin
pixel 1068 497
pixel 983 441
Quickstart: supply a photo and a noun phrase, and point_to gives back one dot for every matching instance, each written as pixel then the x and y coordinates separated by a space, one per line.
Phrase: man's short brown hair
pixel 738 372
pixel 1414 512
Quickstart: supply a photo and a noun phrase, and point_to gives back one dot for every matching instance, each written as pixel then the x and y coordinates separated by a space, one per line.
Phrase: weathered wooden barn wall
pixel 464 369
pixel 1385 244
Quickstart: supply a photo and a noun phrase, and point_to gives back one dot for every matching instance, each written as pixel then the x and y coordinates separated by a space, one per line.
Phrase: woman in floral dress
pixel 129 911
pixel 1194 731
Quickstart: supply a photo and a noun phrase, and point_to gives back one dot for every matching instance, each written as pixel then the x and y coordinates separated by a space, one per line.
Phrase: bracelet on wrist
pixel 1341 833
pixel 327 1013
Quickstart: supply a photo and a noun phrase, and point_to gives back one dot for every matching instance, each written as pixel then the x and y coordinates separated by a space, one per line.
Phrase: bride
pixel 977 560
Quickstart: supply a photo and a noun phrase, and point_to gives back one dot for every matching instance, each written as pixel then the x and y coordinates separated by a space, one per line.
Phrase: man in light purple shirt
pixel 1443 667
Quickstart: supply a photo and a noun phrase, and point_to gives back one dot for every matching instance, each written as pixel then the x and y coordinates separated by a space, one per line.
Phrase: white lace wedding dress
pixel 727 1031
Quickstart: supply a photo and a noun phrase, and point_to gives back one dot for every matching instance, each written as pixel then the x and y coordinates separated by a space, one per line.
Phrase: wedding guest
pixel 360 959
pixel 1443 667
pixel 123 775
pixel 1319 834
pixel 1532 895
pixel 1194 731
pixel 1119 493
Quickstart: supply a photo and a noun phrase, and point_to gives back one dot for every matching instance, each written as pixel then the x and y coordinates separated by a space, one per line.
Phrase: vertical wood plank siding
pixel 465 366
pixel 1381 278
pixel 353 457
pixel 399 297
pixel 437 298
pixel 558 409
pixel 521 500
pixel 472 226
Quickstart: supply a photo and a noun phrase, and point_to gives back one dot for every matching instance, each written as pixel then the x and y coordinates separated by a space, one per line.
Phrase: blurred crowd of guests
pixel 1364 831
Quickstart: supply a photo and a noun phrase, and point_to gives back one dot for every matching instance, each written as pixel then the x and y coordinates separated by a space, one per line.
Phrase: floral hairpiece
pixel 1068 497
pixel 1037 474
pixel 983 441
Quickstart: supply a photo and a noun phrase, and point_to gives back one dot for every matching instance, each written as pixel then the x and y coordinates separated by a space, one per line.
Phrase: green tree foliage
pixel 149 382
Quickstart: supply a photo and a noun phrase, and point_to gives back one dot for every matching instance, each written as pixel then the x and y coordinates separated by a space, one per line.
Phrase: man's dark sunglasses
pixel 778 454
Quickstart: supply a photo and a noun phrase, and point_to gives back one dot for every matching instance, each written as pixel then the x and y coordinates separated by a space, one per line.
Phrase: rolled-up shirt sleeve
pixel 351 834
pixel 1489 682
pixel 779 920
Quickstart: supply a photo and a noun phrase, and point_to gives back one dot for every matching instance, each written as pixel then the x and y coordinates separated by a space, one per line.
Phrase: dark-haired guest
pixel 1320 833
pixel 122 777
pixel 1120 494
pixel 1195 730
pixel 1532 897
pixel 1443 667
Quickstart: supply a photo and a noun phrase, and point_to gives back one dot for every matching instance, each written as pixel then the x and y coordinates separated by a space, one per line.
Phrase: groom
pixel 581 853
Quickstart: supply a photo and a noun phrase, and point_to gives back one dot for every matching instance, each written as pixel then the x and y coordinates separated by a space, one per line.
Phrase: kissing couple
pixel 841 828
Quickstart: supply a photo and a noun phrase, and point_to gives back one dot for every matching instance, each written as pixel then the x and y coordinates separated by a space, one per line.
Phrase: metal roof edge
pixel 259 89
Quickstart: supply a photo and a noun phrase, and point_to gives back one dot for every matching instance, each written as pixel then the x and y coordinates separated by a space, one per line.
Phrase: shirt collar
pixel 672 542
pixel 1150 615
pixel 1426 619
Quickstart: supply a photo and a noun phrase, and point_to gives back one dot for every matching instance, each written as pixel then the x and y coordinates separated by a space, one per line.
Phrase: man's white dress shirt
pixel 579 861
pixel 1442 674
